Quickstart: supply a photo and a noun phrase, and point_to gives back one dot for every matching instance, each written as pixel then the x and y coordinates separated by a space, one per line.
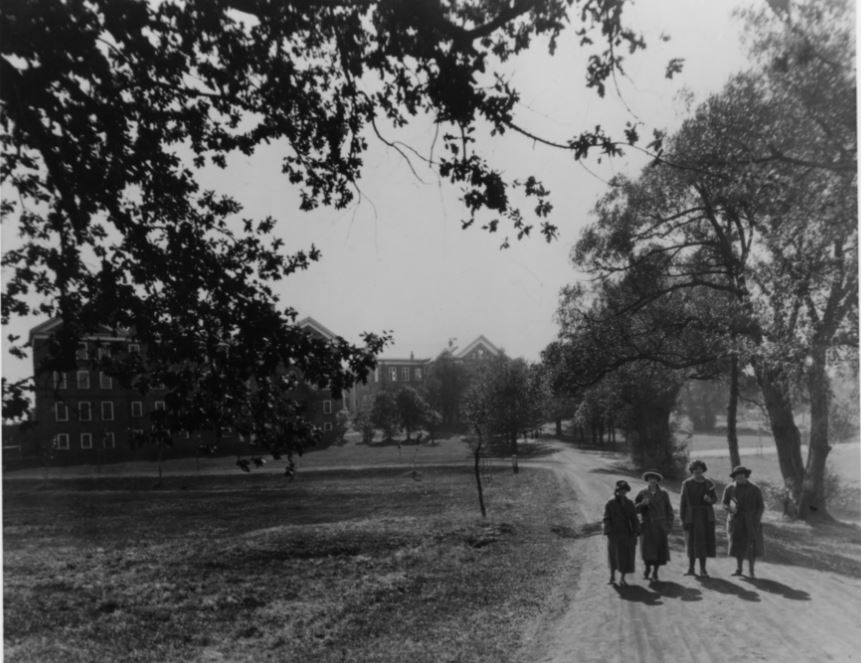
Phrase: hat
pixel 740 469
pixel 652 473
pixel 623 485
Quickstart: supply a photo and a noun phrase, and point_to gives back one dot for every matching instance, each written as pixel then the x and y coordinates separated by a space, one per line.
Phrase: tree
pixel 413 411
pixel 445 388
pixel 558 404
pixel 362 423
pixel 505 397
pixel 342 425
pixel 755 199
pixel 102 101
pixel 633 361
pixel 384 414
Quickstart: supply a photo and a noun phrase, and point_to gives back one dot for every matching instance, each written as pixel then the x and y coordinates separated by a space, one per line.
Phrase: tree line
pixel 734 254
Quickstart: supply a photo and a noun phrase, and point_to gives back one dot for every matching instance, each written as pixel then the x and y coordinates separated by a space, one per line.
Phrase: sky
pixel 397 260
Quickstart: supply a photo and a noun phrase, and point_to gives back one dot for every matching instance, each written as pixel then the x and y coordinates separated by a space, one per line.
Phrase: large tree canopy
pixel 111 107
pixel 755 200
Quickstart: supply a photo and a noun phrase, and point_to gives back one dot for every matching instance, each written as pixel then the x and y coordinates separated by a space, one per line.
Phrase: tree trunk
pixel 787 438
pixel 811 501
pixel 514 467
pixel 558 427
pixel 477 470
pixel 732 416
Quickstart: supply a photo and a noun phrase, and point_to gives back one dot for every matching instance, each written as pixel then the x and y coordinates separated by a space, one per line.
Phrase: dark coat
pixel 744 527
pixel 622 527
pixel 698 517
pixel 657 514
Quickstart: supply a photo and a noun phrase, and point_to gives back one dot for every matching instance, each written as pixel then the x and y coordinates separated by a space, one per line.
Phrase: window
pixel 376 373
pixel 81 352
pixel 104 352
pixel 327 407
pixel 393 374
pixel 327 425
pixel 61 412
pixel 60 381
pixel 61 441
pixel 109 441
pixel 107 410
pixel 158 385
pixel 86 440
pixel 105 381
pixel 137 408
pixel 137 435
pixel 85 411
pixel 83 379
pixel 134 348
pixel 159 405
pixel 418 373
pixel 405 373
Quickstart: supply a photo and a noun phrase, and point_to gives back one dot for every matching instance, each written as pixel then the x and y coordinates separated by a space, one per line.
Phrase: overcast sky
pixel 398 260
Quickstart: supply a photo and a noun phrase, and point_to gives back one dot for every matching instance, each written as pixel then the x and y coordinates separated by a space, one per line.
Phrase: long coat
pixel 698 517
pixel 657 515
pixel 621 526
pixel 744 527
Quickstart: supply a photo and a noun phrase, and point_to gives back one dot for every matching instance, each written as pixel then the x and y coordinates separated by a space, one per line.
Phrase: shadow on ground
pixel 774 587
pixel 638 594
pixel 726 587
pixel 673 590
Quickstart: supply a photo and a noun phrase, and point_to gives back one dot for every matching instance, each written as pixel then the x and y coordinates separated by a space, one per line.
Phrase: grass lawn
pixel 334 566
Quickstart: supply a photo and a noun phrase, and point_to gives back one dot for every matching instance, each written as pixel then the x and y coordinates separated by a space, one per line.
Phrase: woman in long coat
pixel 743 500
pixel 653 505
pixel 621 526
pixel 698 517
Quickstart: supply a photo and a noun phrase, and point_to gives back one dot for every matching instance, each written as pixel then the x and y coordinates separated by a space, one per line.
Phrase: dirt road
pixel 790 613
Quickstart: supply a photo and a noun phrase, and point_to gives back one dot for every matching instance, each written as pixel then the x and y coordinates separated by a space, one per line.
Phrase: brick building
pixel 85 415
pixel 441 379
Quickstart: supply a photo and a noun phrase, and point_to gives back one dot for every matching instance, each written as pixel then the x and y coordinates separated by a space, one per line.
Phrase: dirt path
pixel 788 614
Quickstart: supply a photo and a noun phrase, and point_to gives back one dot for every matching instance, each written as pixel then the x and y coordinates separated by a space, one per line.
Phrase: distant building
pixel 442 380
pixel 87 416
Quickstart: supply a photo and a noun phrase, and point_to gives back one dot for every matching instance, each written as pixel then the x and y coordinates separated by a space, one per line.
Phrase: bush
pixel 362 423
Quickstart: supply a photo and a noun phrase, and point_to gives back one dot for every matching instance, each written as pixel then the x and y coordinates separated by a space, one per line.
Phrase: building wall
pixel 389 375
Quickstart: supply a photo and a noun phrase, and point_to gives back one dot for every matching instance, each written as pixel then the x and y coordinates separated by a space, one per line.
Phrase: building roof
pixel 480 342
pixel 47 328
pixel 312 324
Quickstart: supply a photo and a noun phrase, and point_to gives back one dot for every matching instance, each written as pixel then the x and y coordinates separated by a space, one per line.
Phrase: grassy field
pixel 363 565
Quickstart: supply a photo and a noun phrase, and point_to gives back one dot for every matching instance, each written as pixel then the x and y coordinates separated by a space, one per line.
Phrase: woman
pixel 698 517
pixel 743 500
pixel 653 504
pixel 621 527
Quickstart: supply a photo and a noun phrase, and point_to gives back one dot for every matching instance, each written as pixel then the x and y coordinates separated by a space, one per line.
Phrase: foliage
pixel 413 411
pixel 341 425
pixel 505 399
pixel 362 423
pixel 444 388
pixel 384 414
pixel 752 210
pixel 109 111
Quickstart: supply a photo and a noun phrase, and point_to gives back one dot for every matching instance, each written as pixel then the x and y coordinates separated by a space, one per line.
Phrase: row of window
pixel 85 410
pixel 108 441
pixel 106 408
pixel 83 350
pixel 404 373
pixel 82 380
